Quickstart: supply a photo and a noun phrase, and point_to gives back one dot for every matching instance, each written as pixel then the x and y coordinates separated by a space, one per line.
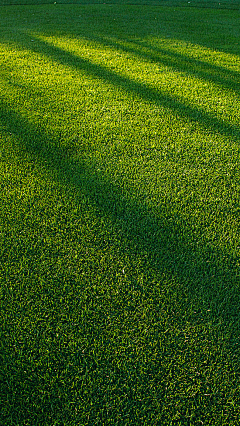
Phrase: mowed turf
pixel 120 214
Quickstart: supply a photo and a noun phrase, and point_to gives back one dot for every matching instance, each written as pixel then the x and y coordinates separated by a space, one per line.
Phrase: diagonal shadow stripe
pixel 228 79
pixel 178 106
pixel 167 242
pixel 164 244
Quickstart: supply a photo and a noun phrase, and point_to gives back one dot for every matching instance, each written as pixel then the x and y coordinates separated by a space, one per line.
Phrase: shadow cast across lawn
pixel 204 278
pixel 134 219
pixel 227 79
pixel 166 243
pixel 182 108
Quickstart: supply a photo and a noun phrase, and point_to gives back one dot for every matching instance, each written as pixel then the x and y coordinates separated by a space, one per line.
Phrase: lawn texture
pixel 219 4
pixel 120 215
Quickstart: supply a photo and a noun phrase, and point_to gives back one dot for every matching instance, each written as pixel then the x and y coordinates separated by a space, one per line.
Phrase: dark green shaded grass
pixel 120 216
pixel 224 4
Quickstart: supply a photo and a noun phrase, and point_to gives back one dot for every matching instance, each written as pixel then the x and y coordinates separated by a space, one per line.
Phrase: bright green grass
pixel 120 215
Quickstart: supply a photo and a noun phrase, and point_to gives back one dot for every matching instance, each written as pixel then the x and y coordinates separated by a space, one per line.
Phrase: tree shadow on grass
pixel 166 241
pixel 205 278
pixel 182 108
pixel 223 77
pixel 136 222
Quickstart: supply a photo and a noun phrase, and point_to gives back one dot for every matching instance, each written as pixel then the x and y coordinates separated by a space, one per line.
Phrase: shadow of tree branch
pixel 180 107
pixel 226 78
pixel 166 242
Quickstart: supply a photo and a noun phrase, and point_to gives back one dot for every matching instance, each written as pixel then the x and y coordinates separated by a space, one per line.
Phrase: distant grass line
pixel 225 4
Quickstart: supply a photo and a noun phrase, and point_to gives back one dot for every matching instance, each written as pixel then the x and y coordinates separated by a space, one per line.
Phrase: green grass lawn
pixel 120 215
pixel 220 4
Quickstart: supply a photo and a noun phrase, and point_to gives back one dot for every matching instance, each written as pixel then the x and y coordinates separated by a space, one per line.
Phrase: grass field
pixel 120 215
pixel 219 4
